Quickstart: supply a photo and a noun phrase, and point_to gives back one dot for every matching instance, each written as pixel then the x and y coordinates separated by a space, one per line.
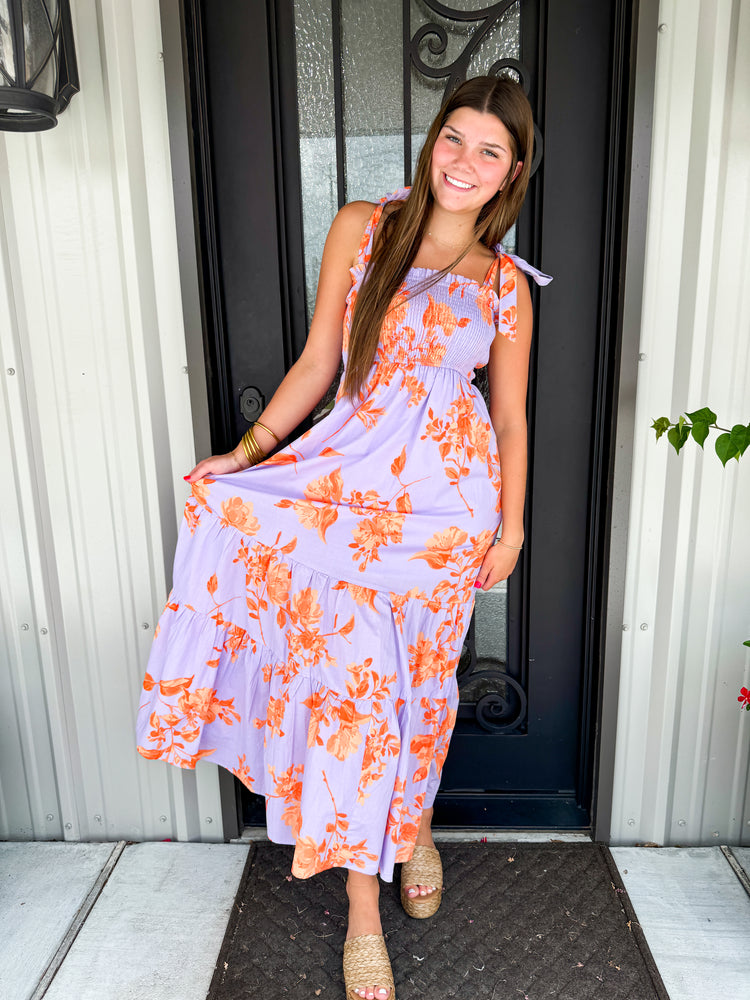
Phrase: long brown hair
pixel 402 230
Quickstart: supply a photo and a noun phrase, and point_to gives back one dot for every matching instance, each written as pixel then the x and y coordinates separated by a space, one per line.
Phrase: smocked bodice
pixel 449 323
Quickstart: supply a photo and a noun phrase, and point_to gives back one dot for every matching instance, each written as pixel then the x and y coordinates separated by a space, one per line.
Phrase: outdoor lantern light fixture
pixel 38 72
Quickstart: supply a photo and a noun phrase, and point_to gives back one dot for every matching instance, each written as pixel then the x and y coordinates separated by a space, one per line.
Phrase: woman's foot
pixel 424 839
pixel 364 918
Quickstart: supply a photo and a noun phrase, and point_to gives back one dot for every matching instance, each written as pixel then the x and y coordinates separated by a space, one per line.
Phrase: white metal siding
pixel 96 437
pixel 682 772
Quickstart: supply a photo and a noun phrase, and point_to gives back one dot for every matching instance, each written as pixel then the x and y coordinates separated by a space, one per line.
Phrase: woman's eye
pixel 453 138
pixel 491 153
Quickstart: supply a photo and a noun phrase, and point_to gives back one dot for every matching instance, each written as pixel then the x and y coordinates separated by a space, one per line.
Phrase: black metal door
pixel 522 754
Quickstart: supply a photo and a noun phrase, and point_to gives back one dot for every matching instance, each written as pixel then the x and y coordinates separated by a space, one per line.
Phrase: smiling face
pixel 471 160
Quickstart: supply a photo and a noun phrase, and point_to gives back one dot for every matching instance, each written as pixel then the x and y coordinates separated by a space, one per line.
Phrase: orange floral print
pixel 318 510
pixel 242 771
pixel 179 724
pixel 288 786
pixel 199 498
pixel 371 533
pixel 313 640
pixel 427 661
pixel 348 737
pixel 462 438
pixel 362 595
pixel 237 514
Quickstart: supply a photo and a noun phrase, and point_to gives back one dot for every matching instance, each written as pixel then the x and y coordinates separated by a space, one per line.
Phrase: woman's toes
pixel 419 890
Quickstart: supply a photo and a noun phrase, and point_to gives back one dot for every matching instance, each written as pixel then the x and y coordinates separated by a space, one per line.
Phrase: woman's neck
pixel 450 229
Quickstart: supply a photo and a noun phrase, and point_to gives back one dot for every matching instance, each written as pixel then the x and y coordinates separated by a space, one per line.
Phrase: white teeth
pixel 461 184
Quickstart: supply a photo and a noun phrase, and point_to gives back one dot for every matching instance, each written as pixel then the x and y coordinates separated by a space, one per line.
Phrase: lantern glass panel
pixel 40 25
pixel 7 62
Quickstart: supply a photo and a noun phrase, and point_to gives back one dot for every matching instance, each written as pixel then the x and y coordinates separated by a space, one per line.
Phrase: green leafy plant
pixel 730 444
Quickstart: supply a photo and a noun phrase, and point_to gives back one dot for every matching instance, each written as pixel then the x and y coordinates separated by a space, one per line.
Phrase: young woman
pixel 321 595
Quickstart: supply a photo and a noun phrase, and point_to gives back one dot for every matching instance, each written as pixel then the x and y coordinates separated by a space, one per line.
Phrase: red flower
pixel 744 697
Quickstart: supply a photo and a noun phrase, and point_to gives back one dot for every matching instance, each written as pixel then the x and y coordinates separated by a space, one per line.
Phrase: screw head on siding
pixel 681 822
pixel 43 630
pixel 11 371
pixel 24 626
pixel 49 817
pixel 625 627
pixel 209 819
pixel 642 356
pixel 68 826
pixel 631 822
pixel 644 626
pixel 145 625
pixel 662 28
pixel 162 819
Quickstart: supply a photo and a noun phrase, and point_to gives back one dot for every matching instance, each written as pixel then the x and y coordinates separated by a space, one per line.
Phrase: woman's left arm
pixel 508 376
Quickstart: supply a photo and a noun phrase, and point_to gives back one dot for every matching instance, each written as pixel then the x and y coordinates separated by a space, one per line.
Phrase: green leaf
pixel 678 435
pixel 740 437
pixel 700 432
pixel 746 642
pixel 702 416
pixel 724 448
pixel 660 426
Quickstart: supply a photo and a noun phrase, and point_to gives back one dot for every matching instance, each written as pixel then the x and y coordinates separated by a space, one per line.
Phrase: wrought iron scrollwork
pixel 490 696
pixel 433 36
pixel 486 18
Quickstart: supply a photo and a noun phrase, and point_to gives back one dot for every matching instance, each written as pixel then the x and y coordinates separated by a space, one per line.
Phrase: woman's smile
pixel 454 182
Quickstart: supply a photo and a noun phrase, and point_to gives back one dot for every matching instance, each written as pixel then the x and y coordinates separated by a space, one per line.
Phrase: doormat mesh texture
pixel 518 921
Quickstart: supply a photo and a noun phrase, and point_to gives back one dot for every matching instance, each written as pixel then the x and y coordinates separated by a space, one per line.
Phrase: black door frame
pixel 199 284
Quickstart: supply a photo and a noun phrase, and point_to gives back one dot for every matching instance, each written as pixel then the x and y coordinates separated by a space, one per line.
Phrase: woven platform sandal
pixel 424 868
pixel 366 963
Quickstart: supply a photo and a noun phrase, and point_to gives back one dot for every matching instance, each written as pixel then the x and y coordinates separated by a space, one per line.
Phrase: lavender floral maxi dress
pixel 321 598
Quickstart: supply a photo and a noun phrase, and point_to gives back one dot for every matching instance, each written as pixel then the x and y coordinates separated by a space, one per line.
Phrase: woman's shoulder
pixel 355 214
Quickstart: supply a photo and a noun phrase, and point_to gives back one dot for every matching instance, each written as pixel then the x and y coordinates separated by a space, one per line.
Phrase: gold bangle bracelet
pixel 255 447
pixel 252 449
pixel 268 430
pixel 252 456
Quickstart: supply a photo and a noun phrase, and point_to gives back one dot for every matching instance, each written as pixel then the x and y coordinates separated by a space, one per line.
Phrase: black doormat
pixel 518 921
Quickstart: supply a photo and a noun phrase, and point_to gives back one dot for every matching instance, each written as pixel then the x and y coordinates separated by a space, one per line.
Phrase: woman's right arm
pixel 311 375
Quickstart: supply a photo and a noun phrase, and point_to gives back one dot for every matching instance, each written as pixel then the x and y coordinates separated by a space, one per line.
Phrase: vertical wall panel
pixel 683 747
pixel 97 437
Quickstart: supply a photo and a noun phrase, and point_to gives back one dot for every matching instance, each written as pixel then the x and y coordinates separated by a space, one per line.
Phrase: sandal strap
pixel 366 963
pixel 423 868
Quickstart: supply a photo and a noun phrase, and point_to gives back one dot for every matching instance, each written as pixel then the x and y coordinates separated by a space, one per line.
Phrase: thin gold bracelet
pixel 499 541
pixel 268 430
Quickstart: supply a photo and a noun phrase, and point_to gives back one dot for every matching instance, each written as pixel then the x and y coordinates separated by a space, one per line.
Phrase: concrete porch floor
pixel 146 921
